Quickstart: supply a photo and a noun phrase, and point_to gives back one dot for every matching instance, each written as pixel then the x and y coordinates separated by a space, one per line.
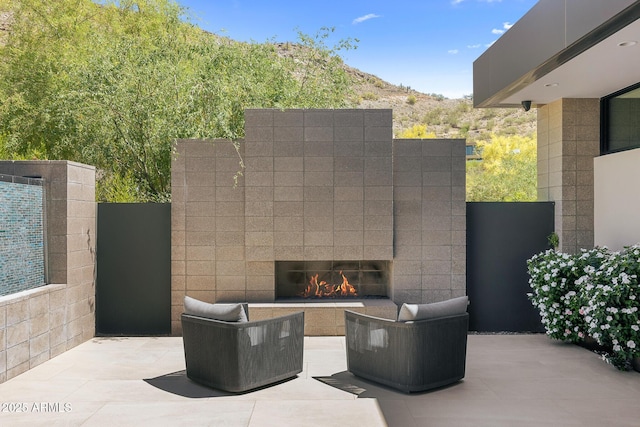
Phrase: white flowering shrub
pixel 556 280
pixel 612 301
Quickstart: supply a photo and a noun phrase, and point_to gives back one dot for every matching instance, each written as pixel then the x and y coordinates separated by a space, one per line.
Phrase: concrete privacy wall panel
pixel 429 220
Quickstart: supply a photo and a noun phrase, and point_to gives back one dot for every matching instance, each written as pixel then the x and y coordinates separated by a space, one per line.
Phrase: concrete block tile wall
pixel 568 140
pixel 44 322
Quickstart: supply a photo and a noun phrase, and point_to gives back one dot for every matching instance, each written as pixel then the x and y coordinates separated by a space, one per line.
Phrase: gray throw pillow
pixel 226 312
pixel 410 312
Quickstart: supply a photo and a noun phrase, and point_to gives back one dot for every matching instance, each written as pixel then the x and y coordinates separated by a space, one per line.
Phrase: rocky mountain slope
pixel 447 118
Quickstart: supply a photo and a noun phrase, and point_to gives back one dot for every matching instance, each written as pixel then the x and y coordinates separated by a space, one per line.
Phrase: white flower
pixel 609 318
pixel 617 348
pixel 631 344
pixel 635 328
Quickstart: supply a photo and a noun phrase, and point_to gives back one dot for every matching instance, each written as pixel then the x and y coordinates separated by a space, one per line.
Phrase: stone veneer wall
pixel 568 140
pixel 318 185
pixel 42 323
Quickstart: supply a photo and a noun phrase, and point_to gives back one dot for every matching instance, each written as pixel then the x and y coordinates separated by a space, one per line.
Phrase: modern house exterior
pixel 578 63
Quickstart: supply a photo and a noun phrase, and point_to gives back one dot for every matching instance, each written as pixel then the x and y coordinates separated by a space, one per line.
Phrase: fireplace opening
pixel 332 279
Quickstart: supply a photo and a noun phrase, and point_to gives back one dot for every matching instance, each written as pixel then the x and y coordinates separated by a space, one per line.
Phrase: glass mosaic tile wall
pixel 21 234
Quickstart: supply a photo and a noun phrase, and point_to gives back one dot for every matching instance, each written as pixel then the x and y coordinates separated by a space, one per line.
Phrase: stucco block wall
pixel 568 141
pixel 45 322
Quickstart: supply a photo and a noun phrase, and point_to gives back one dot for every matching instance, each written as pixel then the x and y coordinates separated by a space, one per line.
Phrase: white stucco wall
pixel 617 199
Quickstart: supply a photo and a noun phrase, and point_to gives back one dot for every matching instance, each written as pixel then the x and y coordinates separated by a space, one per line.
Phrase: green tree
pixel 507 171
pixel 114 85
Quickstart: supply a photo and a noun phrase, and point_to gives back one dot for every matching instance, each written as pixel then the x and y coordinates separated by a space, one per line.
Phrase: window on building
pixel 621 120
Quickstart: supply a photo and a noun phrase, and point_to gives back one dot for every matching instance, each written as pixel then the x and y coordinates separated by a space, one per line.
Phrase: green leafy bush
pixel 595 293
pixel 557 281
pixel 612 296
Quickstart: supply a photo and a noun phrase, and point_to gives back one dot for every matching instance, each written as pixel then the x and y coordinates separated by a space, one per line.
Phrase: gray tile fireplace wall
pixel 319 185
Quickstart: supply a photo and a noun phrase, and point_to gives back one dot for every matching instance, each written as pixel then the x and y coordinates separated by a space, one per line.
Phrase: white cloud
pixel 453 51
pixel 505 27
pixel 365 18
pixel 474 46
pixel 455 2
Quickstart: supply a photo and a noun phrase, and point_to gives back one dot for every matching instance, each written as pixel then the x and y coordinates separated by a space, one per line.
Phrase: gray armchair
pixel 412 356
pixel 240 356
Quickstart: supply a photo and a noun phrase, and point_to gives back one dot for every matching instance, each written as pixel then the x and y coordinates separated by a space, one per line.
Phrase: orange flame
pixel 325 290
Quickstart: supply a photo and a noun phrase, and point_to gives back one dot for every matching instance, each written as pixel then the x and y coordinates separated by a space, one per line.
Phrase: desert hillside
pixel 447 118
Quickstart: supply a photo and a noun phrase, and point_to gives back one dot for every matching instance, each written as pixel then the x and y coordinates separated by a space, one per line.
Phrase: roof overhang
pixel 562 49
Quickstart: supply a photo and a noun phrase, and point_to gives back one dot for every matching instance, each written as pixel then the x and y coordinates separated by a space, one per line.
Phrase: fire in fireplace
pixel 332 279
pixel 323 289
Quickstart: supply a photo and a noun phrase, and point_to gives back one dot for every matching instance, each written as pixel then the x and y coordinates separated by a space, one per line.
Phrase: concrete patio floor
pixel 511 380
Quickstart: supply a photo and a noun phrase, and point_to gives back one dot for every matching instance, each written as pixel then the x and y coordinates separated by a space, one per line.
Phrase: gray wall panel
pixel 133 286
pixel 500 239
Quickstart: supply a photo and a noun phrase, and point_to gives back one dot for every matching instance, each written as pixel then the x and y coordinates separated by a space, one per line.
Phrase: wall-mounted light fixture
pixel 526 105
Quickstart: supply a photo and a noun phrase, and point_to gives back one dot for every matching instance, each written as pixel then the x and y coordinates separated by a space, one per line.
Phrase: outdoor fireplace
pixel 329 208
pixel 332 279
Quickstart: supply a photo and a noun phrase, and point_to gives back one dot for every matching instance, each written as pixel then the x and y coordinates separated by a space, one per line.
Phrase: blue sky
pixel 429 45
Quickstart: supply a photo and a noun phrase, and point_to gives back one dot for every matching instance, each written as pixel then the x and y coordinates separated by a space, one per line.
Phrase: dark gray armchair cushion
pixel 451 307
pixel 225 312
